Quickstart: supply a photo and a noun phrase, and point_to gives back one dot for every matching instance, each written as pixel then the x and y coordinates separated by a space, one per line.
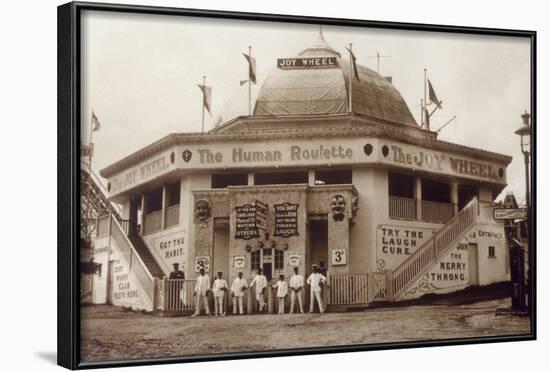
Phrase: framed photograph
pixel 361 185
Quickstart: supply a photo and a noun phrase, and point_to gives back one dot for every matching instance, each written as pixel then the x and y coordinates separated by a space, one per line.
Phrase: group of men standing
pixel 316 281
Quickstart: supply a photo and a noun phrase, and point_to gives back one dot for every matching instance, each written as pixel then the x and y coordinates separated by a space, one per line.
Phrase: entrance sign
pixel 301 63
pixel 338 257
pixel 510 213
pixel 286 219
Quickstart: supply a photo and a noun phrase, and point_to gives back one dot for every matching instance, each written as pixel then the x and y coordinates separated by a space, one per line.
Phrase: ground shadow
pixel 49 356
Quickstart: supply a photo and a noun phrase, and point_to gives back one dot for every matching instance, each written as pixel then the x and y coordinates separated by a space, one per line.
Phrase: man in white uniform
pixel 261 284
pixel 202 287
pixel 238 287
pixel 218 290
pixel 315 281
pixel 282 291
pixel 296 285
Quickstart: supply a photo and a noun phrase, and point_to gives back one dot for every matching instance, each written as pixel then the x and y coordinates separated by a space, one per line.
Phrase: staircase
pixel 94 202
pixel 146 256
pixel 439 245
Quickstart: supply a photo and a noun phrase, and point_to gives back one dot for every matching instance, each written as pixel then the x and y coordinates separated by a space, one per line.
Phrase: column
pixel 454 196
pixel 338 242
pixel 418 197
pixel 250 179
pixel 311 178
pixel 143 205
pixel 163 209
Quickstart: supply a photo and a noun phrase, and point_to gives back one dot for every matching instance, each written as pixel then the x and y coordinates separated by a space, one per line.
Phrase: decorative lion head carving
pixel 338 207
pixel 202 210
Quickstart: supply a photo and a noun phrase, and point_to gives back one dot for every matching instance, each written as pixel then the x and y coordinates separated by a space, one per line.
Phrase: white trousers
pixel 260 299
pixel 316 295
pixel 293 296
pixel 198 304
pixel 238 299
pixel 218 305
pixel 281 305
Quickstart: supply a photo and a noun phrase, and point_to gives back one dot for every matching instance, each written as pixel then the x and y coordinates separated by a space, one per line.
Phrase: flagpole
pixel 425 101
pixel 421 113
pixel 203 100
pixel 350 73
pixel 249 82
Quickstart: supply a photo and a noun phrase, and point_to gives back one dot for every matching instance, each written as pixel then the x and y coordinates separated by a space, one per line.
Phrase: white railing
pixel 172 215
pixel 348 289
pixel 177 294
pixel 429 252
pixel 402 208
pixel 436 212
pixel 152 222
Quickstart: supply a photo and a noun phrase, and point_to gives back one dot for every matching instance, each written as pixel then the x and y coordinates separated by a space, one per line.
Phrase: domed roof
pixel 311 91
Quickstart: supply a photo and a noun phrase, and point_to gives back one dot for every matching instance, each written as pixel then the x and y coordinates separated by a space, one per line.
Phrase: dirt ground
pixel 109 333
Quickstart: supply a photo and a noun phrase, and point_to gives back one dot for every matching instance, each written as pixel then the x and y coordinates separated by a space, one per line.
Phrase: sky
pixel 140 76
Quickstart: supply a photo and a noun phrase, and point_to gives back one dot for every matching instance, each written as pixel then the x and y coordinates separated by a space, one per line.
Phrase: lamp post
pixel 525 137
pixel 525 134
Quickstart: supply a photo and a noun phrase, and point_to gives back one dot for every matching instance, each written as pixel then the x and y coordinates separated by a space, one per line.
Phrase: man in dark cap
pixel 177 273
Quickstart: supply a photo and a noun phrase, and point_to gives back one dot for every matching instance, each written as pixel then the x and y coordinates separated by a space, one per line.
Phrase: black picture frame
pixel 69 90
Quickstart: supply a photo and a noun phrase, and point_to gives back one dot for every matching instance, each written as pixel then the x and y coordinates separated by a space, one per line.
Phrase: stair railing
pixel 433 249
pixel 134 261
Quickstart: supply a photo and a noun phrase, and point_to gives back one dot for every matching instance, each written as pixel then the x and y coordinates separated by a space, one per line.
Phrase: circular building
pixel 319 174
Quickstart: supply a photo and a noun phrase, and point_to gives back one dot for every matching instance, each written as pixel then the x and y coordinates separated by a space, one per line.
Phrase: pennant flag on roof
pixel 95 122
pixel 251 68
pixel 433 97
pixel 353 63
pixel 206 97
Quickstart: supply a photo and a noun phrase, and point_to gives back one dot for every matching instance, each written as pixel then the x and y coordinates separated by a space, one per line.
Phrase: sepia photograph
pixel 253 186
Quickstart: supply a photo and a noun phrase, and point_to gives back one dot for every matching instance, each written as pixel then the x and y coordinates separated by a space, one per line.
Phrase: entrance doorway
pixel 318 244
pixel 270 260
pixel 220 259
pixel 473 263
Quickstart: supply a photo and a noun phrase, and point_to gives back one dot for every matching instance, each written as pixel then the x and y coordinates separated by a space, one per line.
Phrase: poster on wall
pixel 245 219
pixel 294 260
pixel 395 243
pixel 286 219
pixel 239 262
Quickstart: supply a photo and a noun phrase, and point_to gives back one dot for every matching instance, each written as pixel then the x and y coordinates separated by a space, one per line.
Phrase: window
pixel 173 194
pixel 492 252
pixel 465 194
pixel 220 181
pixel 153 201
pixel 255 260
pixel 401 185
pixel 436 191
pixel 333 177
pixel 279 259
pixel 280 178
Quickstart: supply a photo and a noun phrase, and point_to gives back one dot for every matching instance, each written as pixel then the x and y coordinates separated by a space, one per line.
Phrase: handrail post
pixel 389 285
pixel 154 297
pixel 249 301
pixel 162 291
pixel 270 299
